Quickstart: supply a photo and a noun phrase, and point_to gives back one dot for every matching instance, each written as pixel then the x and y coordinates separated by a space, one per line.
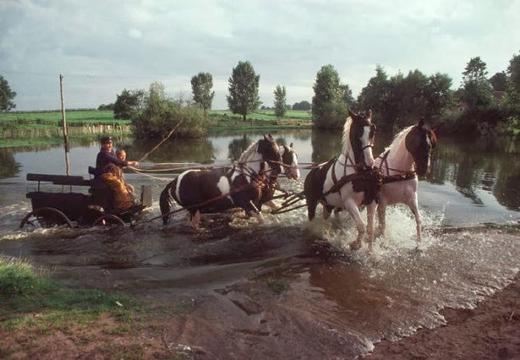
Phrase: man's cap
pixel 105 139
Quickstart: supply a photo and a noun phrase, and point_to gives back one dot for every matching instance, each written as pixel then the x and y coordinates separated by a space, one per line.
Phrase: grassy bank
pixel 225 120
pixel 43 127
pixel 29 299
pixel 53 118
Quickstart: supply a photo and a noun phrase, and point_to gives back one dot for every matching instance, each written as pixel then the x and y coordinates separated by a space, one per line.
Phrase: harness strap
pixel 399 177
pixel 338 184
pixel 404 175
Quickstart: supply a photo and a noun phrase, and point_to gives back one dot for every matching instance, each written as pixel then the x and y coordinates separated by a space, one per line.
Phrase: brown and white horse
pixel 216 190
pixel 406 158
pixel 291 170
pixel 324 184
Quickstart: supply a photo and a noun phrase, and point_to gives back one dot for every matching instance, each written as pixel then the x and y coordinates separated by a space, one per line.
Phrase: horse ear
pixel 270 136
pixel 291 145
pixel 351 114
pixel 265 137
pixel 420 124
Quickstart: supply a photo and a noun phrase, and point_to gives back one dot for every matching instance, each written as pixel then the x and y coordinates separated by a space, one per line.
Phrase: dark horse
pixel 291 170
pixel 216 190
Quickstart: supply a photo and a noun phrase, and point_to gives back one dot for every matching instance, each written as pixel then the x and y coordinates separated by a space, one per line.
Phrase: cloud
pixel 104 46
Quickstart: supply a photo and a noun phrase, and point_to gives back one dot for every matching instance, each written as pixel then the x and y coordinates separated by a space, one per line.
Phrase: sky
pixel 104 46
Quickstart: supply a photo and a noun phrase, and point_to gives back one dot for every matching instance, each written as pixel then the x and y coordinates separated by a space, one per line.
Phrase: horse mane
pixel 399 137
pixel 244 157
pixel 347 147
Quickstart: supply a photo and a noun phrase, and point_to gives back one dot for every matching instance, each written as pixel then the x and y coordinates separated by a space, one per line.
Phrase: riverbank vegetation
pixel 480 106
pixel 30 299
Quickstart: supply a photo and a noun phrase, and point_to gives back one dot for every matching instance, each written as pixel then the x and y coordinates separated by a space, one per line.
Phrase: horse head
pixel 290 162
pixel 270 152
pixel 420 142
pixel 361 136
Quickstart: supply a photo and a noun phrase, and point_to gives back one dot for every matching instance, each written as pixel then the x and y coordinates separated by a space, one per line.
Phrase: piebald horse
pixel 348 181
pixel 216 190
pixel 407 157
pixel 289 167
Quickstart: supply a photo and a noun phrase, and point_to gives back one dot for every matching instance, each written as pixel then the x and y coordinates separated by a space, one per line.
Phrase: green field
pixel 265 115
pixel 42 127
pixel 74 118
pixel 80 117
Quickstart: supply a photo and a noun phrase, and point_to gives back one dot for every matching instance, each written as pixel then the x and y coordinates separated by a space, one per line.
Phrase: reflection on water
pixel 238 146
pixel 478 169
pixel 177 150
pixel 8 165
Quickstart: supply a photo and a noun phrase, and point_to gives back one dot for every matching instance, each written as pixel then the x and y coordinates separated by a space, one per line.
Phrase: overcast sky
pixel 104 46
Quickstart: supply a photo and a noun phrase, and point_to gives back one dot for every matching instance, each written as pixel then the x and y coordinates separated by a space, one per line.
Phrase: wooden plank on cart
pixel 60 179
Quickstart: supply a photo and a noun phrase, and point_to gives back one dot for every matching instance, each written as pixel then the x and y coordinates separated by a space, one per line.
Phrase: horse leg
pixel 353 210
pixel 327 210
pixel 414 206
pixel 311 208
pixel 371 214
pixel 195 220
pixel 381 216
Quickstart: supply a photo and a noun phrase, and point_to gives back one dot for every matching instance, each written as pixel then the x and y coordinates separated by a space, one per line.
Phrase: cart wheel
pixel 108 220
pixel 46 217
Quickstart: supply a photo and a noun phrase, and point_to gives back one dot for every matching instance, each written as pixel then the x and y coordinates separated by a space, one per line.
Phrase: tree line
pixel 480 103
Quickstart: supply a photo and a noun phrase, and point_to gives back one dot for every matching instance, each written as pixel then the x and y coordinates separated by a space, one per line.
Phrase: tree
pixel 499 81
pixel 280 106
pixel 346 95
pixel 6 95
pixel 512 98
pixel 328 108
pixel 401 100
pixel 376 96
pixel 438 95
pixel 477 91
pixel 128 103
pixel 106 107
pixel 243 89
pixel 475 70
pixel 513 71
pixel 201 85
pixel 302 105
pixel 161 114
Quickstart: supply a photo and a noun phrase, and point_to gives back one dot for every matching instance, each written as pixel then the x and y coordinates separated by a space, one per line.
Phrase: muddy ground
pixel 234 293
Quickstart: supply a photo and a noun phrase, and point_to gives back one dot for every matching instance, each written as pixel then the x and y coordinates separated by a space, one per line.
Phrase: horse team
pixel 352 179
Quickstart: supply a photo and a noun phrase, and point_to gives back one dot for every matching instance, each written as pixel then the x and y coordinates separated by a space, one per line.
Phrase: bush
pixel 160 116
pixel 17 278
pixel 476 122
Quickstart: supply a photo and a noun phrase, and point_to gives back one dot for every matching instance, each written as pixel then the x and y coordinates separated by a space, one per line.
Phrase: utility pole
pixel 64 125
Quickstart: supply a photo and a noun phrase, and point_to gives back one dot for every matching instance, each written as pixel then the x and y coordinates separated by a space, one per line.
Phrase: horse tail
pixel 166 199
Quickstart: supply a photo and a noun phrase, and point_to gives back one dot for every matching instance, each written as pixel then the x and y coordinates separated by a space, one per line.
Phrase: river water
pixel 333 302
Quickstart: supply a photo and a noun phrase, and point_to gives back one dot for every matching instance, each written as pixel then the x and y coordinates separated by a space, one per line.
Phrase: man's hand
pixel 133 163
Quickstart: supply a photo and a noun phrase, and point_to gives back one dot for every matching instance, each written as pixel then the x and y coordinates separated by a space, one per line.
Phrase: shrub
pixel 161 114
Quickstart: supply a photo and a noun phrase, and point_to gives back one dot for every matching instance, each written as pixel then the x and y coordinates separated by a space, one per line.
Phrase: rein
pixel 403 175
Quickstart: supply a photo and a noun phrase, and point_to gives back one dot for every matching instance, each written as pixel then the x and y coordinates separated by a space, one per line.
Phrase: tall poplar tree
pixel 243 89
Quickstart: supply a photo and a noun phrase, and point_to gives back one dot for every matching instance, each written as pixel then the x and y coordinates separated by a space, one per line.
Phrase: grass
pixel 74 118
pixel 32 128
pixel 224 120
pixel 263 115
pixel 29 299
